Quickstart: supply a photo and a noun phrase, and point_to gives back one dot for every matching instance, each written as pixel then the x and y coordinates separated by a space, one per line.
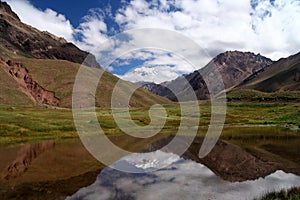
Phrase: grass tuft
pixel 291 194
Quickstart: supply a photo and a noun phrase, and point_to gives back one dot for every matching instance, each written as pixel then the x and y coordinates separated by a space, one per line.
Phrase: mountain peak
pixel 233 66
pixel 231 56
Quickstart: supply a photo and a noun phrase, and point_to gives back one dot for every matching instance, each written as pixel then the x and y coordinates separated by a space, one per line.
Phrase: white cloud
pixel 203 21
pixel 141 55
pixel 155 74
pixel 220 25
pixel 158 66
pixel 93 30
pixel 47 20
pixel 270 29
pixel 278 27
pixel 179 64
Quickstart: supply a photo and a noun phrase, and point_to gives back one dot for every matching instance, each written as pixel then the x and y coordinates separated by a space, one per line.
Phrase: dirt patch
pixel 27 85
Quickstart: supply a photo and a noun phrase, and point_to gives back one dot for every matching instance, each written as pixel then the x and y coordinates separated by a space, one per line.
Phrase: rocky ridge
pixel 20 39
pixel 233 66
pixel 27 85
pixel 282 75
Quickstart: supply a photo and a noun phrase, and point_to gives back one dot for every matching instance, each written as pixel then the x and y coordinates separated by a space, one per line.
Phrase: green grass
pixel 263 113
pixel 27 123
pixel 291 194
pixel 243 119
pixel 254 95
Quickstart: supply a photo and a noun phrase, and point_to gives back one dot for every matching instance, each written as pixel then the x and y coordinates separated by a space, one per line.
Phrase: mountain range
pixel 37 67
pixel 241 72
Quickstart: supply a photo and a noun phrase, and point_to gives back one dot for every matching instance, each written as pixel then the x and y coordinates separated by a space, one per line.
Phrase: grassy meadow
pixel 255 119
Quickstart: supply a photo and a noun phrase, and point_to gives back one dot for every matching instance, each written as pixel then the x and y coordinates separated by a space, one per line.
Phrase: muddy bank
pixel 231 162
pixel 23 160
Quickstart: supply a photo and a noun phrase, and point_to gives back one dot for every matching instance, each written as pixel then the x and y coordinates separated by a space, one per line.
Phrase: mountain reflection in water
pixel 181 179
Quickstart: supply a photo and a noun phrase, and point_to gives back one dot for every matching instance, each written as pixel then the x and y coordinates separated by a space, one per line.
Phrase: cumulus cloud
pixel 277 27
pixel 155 74
pixel 205 22
pixel 260 26
pixel 45 20
pixel 270 28
pixel 92 31
pixel 157 66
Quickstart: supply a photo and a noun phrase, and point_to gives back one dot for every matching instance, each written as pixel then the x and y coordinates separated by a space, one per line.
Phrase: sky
pixel 268 27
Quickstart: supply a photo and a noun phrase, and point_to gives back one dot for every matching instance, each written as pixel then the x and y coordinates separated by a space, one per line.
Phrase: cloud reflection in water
pixel 182 179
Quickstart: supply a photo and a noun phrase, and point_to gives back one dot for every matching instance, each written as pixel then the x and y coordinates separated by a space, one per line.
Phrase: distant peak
pixel 240 56
pixel 239 53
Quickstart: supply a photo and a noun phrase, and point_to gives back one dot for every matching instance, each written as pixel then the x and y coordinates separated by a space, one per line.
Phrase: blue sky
pixel 73 10
pixel 76 10
pixel 268 27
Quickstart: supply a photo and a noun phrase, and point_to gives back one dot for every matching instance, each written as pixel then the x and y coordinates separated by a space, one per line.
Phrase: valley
pixel 42 155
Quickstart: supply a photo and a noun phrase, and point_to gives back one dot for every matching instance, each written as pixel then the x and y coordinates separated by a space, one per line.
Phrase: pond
pixel 60 169
pixel 182 179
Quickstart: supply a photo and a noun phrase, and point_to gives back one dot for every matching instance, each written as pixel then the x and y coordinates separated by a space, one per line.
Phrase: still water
pixel 181 179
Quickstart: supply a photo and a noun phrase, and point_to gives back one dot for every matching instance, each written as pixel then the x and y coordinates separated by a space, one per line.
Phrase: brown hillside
pixel 19 39
pixel 283 75
pixel 59 76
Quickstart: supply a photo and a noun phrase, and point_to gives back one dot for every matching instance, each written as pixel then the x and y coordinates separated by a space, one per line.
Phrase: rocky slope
pixel 234 67
pixel 159 89
pixel 19 39
pixel 27 85
pixel 283 75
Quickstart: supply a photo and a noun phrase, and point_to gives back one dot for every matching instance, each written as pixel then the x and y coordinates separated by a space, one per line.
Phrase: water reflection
pixel 25 156
pixel 182 179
